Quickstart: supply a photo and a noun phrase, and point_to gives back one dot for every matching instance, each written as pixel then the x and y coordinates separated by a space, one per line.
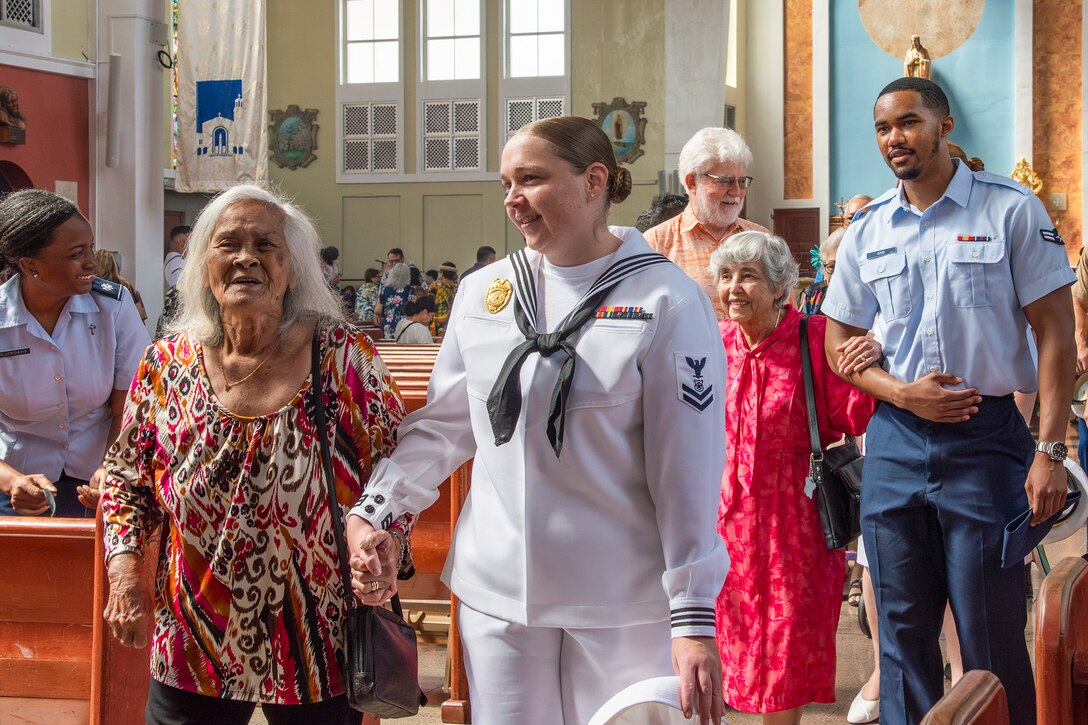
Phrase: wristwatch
pixel 1057 451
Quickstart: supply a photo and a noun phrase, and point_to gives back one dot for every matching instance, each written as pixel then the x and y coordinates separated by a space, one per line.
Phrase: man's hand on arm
pixel 1080 316
pixel 927 397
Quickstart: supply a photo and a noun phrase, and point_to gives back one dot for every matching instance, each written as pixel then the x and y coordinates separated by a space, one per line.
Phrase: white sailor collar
pixel 632 243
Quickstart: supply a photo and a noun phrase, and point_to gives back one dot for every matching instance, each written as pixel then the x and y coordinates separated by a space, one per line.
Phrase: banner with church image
pixel 222 134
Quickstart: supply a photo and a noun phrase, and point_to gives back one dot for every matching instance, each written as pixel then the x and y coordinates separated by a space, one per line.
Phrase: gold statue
pixel 1026 175
pixel 916 62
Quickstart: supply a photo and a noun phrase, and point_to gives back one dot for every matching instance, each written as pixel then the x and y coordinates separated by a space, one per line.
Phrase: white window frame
pixel 533 88
pixel 454 90
pixel 31 41
pixel 348 94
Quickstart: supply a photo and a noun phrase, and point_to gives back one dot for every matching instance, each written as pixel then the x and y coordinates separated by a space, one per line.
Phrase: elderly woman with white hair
pixel 393 295
pixel 219 442
pixel 779 608
pixel 812 297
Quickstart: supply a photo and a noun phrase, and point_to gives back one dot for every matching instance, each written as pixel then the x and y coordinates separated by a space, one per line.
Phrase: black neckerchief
pixel 504 402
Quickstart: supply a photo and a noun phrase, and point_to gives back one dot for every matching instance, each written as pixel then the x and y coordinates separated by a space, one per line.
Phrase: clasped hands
pixel 372 557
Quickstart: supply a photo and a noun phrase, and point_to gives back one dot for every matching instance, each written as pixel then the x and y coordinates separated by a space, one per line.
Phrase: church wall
pixel 978 78
pixel 57 136
pixel 1058 113
pixel 617 50
pixel 72 30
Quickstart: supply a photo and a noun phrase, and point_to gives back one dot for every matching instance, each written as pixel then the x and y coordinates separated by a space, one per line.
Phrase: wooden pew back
pixel 1061 645
pixel 46 616
pixel 977 699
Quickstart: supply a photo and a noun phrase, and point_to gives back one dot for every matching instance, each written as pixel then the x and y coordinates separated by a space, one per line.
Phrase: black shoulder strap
pixel 405 329
pixel 810 396
pixel 318 393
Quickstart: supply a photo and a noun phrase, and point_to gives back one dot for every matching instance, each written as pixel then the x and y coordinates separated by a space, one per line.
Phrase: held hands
pixel 699 667
pixel 27 497
pixel 373 561
pixel 858 353
pixel 91 494
pixel 1046 486
pixel 128 610
pixel 928 398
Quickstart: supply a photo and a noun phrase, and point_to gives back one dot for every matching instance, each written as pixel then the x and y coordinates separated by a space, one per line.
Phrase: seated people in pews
pixel 414 328
pixel 219 443
pixel 69 346
pixel 366 296
pixel 585 374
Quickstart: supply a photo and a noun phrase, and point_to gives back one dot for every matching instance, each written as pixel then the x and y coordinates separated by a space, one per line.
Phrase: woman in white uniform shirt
pixel 69 347
pixel 587 542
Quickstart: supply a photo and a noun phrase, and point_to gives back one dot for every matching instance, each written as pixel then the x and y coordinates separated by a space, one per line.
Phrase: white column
pixel 1023 72
pixel 696 33
pixel 765 108
pixel 821 111
pixel 128 200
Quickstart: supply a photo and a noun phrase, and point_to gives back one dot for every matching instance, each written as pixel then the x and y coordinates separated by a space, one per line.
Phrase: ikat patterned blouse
pixel 248 596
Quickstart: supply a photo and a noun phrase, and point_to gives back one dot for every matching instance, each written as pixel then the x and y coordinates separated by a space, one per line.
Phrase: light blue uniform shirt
pixel 55 389
pixel 950 283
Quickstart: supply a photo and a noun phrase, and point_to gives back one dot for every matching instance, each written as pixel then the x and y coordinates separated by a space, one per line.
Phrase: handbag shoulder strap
pixel 318 393
pixel 810 395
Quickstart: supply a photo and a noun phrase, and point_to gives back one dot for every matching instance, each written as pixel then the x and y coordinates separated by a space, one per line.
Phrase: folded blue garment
pixel 1021 537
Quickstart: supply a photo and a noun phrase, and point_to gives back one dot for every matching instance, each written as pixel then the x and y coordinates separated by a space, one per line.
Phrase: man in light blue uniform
pixel 957 264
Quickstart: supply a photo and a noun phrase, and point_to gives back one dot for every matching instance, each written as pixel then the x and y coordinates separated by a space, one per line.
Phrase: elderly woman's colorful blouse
pixel 248 598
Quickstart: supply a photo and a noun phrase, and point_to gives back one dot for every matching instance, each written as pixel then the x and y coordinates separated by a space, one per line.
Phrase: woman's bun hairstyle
pixel 581 142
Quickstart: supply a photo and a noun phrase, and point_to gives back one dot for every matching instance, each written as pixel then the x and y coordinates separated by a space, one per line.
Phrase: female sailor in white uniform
pixel 586 556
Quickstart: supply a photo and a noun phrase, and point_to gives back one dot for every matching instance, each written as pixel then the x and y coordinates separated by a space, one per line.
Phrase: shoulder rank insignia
pixel 623 313
pixel 498 295
pixel 1052 236
pixel 691 386
pixel 107 288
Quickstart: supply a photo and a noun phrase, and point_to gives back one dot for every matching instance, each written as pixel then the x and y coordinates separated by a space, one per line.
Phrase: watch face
pixel 1060 452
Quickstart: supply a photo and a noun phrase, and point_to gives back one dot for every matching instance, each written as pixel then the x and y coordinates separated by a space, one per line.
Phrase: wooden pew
pixel 46 616
pixel 411 367
pixel 1061 645
pixel 977 699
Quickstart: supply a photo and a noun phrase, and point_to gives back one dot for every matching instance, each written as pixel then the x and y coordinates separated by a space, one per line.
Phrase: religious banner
pixel 222 136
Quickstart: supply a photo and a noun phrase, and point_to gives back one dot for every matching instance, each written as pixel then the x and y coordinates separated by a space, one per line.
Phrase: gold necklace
pixel 251 372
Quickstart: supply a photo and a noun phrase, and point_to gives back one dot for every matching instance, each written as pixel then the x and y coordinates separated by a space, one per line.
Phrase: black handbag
pixel 834 475
pixel 381 668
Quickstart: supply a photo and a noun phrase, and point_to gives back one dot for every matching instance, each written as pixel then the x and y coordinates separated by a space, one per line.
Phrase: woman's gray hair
pixel 310 298
pixel 400 276
pixel 831 244
pixel 767 249
pixel 709 147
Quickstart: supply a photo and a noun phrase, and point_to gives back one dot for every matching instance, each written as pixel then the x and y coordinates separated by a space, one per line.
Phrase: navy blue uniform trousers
pixel 935 501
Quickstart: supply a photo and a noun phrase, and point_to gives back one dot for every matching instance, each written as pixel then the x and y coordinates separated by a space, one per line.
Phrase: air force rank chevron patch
pixel 691 387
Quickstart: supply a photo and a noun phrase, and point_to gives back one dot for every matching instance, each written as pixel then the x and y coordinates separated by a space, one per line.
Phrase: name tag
pixel 881 252
pixel 16 351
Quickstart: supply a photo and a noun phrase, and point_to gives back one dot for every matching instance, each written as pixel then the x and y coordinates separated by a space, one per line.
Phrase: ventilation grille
pixel 23 13
pixel 451 135
pixel 523 111
pixel 371 138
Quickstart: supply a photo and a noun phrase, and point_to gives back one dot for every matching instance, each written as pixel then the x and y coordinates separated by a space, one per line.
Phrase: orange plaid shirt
pixel 688 243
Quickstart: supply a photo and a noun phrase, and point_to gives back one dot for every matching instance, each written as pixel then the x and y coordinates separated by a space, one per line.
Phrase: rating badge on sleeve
pixel 692 387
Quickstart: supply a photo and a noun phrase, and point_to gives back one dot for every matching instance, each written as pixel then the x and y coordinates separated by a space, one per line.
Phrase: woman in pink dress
pixel 779 609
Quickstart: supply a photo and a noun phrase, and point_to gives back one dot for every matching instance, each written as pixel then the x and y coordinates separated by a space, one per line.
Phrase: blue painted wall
pixel 977 76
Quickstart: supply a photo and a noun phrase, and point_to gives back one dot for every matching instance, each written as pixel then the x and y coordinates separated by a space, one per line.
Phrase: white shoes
pixel 863 711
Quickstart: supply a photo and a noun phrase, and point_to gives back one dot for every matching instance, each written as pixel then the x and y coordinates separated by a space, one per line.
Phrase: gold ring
pixel 375 586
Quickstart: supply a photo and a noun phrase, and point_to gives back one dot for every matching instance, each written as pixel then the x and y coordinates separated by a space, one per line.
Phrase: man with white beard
pixel 714 170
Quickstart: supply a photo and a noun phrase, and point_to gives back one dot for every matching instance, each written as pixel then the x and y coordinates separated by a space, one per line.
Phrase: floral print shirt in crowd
pixel 392 301
pixel 443 301
pixel 365 297
pixel 248 597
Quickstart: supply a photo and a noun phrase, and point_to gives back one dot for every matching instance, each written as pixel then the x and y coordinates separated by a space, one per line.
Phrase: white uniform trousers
pixel 552 675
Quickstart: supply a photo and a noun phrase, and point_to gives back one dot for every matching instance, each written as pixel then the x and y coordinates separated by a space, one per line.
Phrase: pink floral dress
pixel 779 609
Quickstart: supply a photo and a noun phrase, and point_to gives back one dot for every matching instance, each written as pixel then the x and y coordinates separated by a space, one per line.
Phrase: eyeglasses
pixel 829 268
pixel 725 182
